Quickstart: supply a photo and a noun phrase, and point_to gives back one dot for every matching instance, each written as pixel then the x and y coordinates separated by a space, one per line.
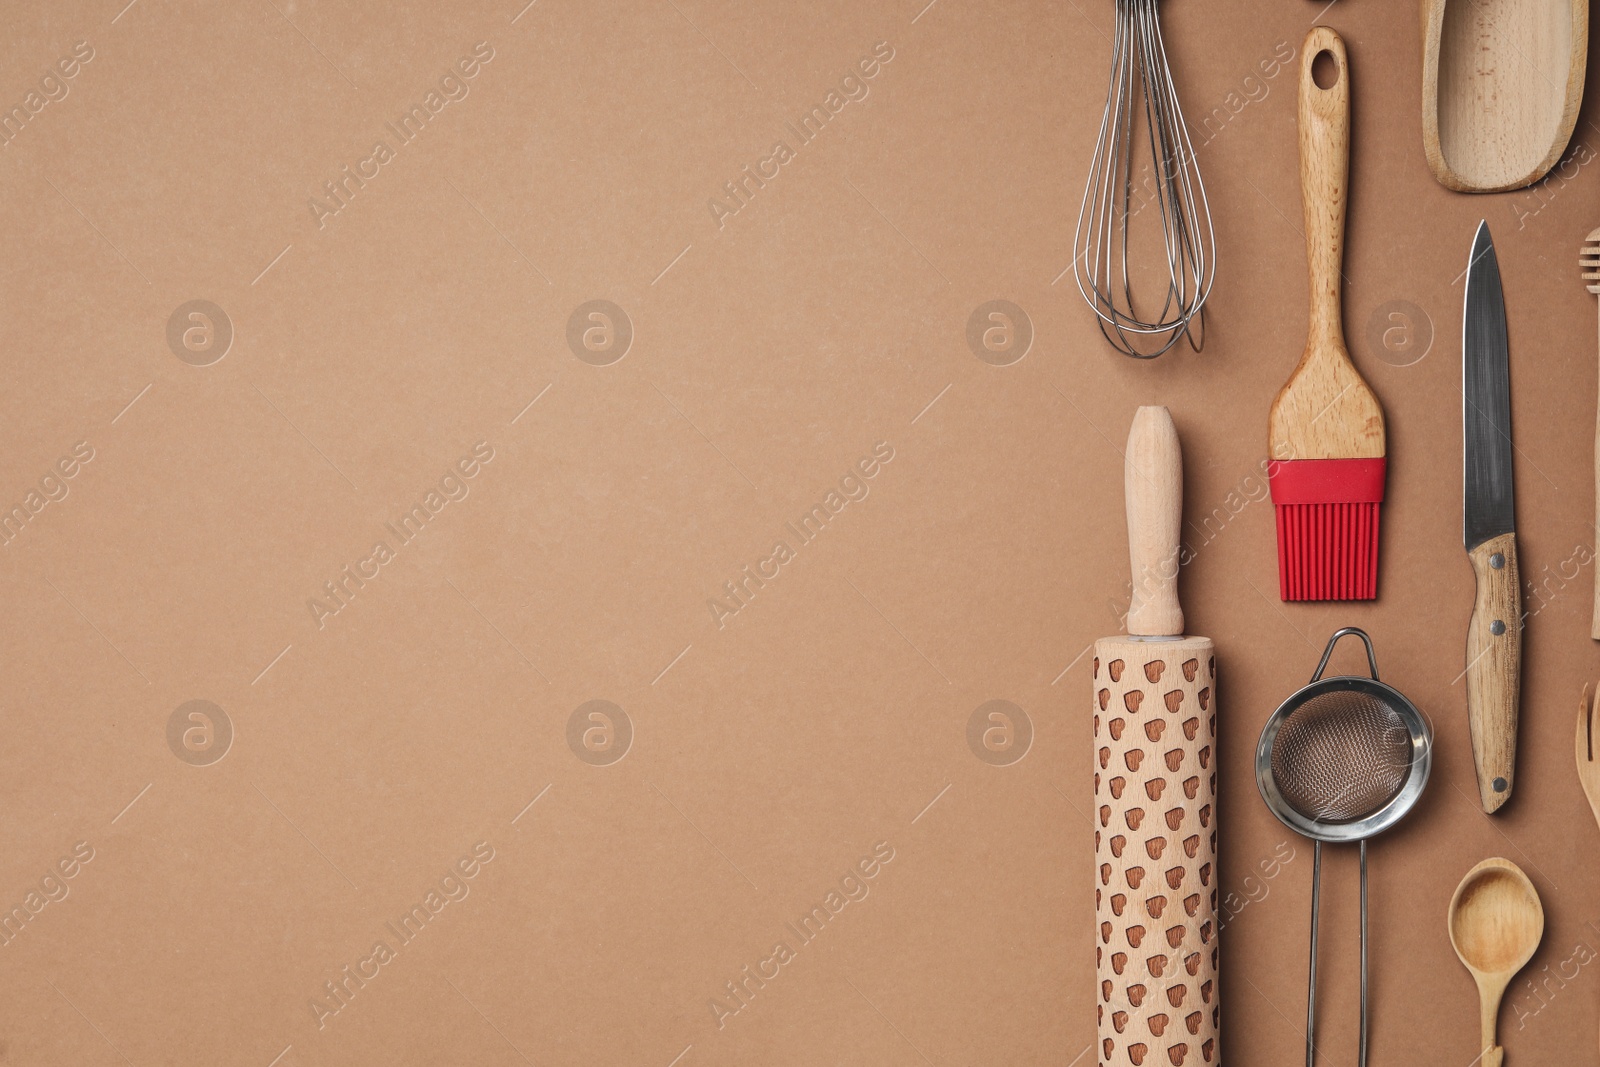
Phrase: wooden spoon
pixel 1501 85
pixel 1496 922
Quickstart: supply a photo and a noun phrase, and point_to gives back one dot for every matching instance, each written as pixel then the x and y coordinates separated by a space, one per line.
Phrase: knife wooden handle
pixel 1494 667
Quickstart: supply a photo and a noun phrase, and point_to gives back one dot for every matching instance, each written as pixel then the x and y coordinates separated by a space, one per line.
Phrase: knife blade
pixel 1494 633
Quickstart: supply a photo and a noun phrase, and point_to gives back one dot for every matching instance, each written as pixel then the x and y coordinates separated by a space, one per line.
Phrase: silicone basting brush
pixel 1325 434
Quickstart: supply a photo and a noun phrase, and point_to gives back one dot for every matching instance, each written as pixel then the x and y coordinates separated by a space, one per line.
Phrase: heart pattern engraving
pixel 1161 754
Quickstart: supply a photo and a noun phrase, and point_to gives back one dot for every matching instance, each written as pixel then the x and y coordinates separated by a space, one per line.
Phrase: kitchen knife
pixel 1494 635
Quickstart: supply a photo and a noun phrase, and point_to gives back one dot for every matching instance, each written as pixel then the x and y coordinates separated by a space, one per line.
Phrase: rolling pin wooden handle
pixel 1494 667
pixel 1153 486
pixel 1324 179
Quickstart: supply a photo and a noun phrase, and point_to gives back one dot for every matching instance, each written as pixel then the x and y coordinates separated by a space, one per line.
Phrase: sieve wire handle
pixel 1372 659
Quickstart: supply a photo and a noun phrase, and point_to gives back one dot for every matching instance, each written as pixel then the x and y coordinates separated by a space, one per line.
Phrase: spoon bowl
pixel 1496 922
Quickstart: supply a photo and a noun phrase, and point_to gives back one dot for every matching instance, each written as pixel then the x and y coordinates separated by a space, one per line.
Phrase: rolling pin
pixel 1155 787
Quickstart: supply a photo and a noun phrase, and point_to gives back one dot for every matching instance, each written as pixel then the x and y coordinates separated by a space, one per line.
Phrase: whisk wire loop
pixel 1141 87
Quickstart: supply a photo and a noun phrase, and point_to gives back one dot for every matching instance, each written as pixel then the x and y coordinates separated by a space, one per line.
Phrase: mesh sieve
pixel 1342 759
pixel 1341 755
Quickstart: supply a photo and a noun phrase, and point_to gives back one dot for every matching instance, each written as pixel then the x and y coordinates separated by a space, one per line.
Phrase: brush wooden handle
pixel 1153 486
pixel 1155 787
pixel 1594 625
pixel 1325 179
pixel 1494 668
pixel 1325 411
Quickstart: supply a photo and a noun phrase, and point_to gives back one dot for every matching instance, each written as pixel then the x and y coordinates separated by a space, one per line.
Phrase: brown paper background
pixel 768 356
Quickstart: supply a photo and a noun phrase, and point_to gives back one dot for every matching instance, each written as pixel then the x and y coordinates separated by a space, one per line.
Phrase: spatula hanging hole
pixel 1325 70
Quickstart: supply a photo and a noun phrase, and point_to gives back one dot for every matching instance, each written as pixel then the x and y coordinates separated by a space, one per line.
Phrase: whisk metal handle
pixel 1324 181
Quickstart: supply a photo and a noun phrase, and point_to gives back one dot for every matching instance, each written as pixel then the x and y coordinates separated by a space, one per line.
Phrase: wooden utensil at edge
pixel 1155 790
pixel 1496 922
pixel 1589 265
pixel 1588 752
pixel 1507 113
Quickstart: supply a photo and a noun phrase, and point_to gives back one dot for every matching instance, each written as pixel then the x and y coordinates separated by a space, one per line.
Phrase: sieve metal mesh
pixel 1341 756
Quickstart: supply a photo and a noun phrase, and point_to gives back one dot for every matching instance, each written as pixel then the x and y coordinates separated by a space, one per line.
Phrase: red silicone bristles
pixel 1328 551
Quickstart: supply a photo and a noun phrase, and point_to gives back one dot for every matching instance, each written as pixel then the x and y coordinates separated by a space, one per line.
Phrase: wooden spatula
pixel 1501 85
pixel 1589 264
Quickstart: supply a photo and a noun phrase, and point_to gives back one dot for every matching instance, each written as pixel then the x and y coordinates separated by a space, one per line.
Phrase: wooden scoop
pixel 1496 922
pixel 1501 85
